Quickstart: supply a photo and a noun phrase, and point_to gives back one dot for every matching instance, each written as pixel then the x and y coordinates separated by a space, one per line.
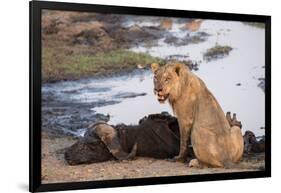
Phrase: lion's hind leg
pixel 209 149
pixel 195 163
pixel 236 144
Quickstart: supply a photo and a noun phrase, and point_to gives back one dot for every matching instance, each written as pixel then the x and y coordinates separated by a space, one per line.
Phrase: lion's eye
pixel 166 80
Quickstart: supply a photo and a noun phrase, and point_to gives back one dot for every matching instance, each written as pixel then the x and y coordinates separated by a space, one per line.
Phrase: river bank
pixel 80 45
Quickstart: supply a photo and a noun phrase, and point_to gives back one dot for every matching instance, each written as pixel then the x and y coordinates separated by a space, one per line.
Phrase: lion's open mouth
pixel 162 98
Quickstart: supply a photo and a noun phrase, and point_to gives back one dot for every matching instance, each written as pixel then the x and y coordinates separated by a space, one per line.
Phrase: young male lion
pixel 215 142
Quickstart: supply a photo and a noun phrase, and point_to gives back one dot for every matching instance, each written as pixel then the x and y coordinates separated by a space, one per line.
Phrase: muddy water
pixel 243 67
pixel 130 110
pixel 127 98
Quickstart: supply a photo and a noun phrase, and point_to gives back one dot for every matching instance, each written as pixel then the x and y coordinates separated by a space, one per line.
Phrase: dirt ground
pixel 55 169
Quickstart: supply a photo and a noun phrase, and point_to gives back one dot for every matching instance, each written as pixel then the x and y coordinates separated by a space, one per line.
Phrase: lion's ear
pixel 154 67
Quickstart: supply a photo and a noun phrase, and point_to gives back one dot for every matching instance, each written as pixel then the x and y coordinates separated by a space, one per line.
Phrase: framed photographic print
pixel 125 96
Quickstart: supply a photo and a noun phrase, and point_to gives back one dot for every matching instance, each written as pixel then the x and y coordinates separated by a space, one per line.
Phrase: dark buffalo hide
pixel 155 136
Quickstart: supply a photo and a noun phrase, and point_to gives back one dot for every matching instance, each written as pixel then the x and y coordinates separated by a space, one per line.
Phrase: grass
pixel 59 66
pixel 256 24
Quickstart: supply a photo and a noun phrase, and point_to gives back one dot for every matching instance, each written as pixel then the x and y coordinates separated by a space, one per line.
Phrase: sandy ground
pixel 55 169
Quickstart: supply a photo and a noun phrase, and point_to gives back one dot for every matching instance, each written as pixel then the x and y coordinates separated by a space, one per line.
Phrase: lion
pixel 201 119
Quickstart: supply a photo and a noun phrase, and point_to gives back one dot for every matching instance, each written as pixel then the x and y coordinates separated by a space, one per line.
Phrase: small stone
pixel 89 170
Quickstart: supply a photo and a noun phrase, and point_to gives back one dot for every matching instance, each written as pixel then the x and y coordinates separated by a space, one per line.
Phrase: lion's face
pixel 166 81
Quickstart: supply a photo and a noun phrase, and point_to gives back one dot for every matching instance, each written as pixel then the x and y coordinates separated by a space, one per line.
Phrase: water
pixel 244 65
pixel 131 110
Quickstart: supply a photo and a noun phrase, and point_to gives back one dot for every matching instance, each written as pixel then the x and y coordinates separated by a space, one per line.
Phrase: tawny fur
pixel 201 119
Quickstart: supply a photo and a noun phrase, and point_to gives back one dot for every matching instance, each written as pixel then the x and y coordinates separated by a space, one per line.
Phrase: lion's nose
pixel 158 90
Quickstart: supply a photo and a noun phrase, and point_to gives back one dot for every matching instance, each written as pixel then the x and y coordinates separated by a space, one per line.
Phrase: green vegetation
pixel 59 66
pixel 256 24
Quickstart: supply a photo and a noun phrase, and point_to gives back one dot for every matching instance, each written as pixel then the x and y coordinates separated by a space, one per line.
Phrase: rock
pixel 194 25
pixel 238 84
pixel 102 117
pixel 129 95
pixel 140 66
pixel 166 24
pixel 89 170
pixel 262 84
pixel 216 52
pixel 144 34
pixel 170 39
pixel 192 65
pixel 188 39
pixel 178 57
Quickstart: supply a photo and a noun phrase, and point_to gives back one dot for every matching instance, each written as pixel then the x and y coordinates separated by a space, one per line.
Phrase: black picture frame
pixel 35 8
